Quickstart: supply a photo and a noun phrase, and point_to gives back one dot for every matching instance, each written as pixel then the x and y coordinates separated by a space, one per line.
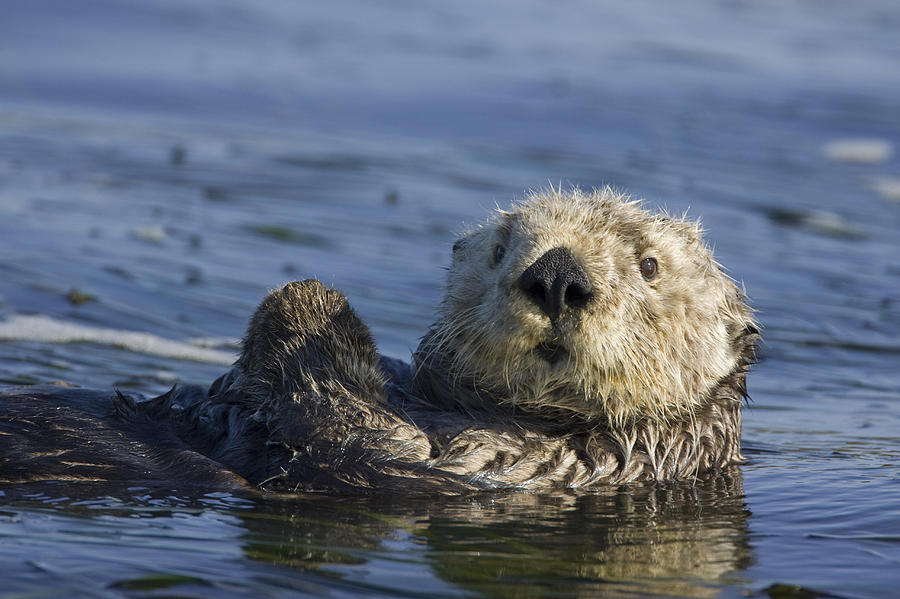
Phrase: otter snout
pixel 556 283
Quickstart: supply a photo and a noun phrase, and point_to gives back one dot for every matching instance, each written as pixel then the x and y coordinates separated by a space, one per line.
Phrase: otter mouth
pixel 552 352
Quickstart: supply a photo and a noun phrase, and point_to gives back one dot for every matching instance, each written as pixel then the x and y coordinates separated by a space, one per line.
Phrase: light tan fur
pixel 639 350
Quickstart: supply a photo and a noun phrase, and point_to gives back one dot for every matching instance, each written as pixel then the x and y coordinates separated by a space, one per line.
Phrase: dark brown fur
pixel 310 405
pixel 307 408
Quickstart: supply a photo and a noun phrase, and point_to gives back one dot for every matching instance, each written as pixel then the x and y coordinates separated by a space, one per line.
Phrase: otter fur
pixel 582 341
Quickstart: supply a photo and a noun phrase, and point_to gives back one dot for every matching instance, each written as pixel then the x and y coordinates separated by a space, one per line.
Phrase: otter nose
pixel 556 283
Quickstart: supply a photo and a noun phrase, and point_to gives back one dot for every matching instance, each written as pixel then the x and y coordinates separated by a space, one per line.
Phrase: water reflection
pixel 675 540
pixel 683 539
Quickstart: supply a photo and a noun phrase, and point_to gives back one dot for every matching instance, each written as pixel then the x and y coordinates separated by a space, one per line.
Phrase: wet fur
pixel 639 349
pixel 650 389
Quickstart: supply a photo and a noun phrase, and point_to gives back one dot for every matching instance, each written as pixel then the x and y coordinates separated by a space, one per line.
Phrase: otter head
pixel 588 304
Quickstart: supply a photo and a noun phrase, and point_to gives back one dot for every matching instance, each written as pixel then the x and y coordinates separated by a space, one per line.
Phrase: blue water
pixel 163 164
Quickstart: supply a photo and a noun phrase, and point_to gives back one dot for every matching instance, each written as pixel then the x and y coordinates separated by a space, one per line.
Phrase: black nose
pixel 556 283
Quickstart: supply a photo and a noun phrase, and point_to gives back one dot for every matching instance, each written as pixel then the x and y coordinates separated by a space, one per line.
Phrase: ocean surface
pixel 163 164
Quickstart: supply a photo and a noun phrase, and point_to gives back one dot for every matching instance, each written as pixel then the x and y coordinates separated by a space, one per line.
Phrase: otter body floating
pixel 581 341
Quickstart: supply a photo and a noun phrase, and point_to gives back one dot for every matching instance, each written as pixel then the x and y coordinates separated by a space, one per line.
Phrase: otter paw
pixel 306 333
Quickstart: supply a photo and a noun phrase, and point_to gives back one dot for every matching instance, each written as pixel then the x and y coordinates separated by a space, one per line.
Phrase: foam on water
pixel 51 330
pixel 886 187
pixel 861 151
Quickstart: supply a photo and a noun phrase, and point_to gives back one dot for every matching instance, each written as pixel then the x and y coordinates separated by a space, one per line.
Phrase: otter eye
pixel 499 252
pixel 648 268
pixel 457 245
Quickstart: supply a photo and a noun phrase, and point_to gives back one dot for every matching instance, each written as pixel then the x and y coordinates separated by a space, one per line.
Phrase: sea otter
pixel 582 341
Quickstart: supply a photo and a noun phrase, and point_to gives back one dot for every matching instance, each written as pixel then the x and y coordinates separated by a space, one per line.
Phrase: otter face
pixel 589 304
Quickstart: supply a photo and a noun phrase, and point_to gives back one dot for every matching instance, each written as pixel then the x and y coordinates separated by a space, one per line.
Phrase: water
pixel 164 164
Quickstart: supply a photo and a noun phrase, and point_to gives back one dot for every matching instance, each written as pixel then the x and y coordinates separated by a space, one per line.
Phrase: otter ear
pixel 464 242
pixel 743 332
pixel 744 343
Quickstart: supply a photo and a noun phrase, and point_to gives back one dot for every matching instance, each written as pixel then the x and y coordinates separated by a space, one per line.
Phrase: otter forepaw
pixel 307 332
